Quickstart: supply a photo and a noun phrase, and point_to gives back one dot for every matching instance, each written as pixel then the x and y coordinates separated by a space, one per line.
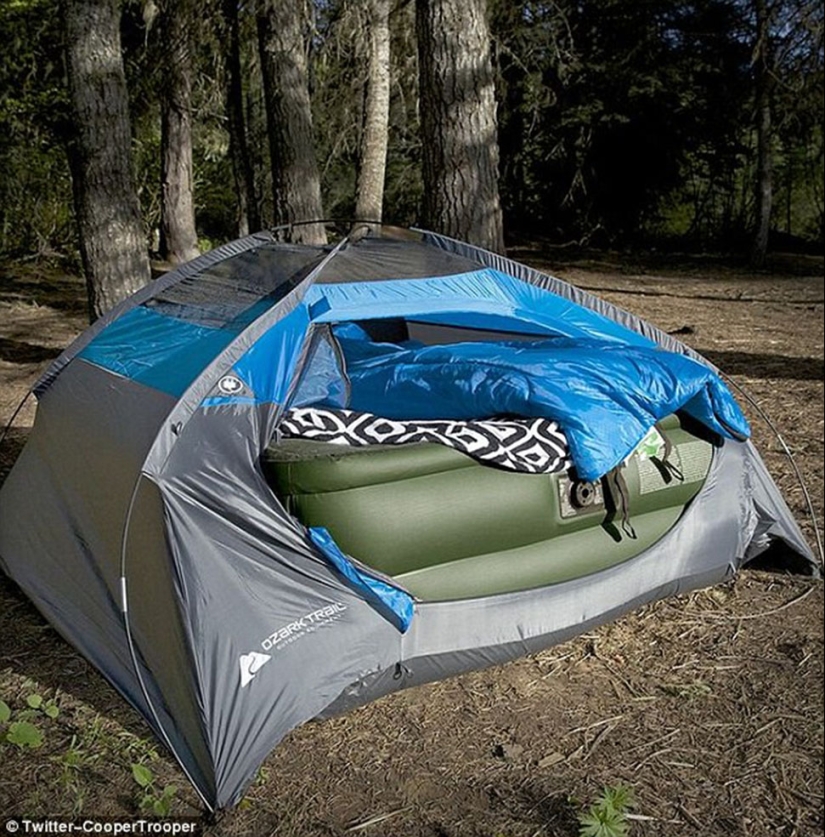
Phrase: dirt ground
pixel 709 706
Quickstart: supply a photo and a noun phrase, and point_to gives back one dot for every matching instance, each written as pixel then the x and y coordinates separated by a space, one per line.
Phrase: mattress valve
pixel 583 494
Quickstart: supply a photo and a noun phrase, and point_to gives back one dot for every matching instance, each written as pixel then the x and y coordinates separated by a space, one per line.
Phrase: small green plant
pixel 693 690
pixel 73 762
pixel 607 817
pixel 21 731
pixel 48 707
pixel 24 735
pixel 155 800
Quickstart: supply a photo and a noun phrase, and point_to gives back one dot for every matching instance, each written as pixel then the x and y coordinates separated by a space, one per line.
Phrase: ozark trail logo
pixel 251 664
pixel 306 624
pixel 230 385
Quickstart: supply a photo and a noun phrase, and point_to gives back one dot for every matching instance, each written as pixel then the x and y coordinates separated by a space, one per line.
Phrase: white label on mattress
pixel 650 477
pixel 691 459
pixel 695 458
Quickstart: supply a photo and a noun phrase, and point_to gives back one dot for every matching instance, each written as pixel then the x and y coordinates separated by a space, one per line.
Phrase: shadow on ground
pixel 44 284
pixel 19 351
pixel 754 365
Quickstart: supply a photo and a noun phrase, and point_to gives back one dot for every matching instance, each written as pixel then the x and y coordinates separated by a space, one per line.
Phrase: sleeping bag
pixel 606 396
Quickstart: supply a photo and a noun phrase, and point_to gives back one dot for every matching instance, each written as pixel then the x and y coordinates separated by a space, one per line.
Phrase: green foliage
pixel 48 707
pixel 23 732
pixel 626 120
pixel 338 80
pixel 619 122
pixel 76 757
pixel 72 764
pixel 35 190
pixel 607 817
pixel 142 775
pixel 154 800
pixel 24 735
pixel 692 690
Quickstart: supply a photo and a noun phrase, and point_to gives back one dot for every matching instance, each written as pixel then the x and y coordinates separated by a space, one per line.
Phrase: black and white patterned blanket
pixel 531 445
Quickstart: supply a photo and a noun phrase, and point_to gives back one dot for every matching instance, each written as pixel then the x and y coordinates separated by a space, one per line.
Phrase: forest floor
pixel 709 706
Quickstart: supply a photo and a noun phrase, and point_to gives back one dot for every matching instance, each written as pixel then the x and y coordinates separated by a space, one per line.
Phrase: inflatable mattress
pixel 445 526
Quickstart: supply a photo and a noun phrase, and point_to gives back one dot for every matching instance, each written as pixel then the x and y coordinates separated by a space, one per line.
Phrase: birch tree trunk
pixel 112 241
pixel 296 183
pixel 458 122
pixel 372 157
pixel 178 237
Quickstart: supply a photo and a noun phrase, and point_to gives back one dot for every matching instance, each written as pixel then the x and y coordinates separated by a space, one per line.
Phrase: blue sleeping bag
pixel 605 395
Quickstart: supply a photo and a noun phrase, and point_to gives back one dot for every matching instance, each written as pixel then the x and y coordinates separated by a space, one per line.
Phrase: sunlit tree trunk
pixel 248 214
pixel 372 158
pixel 178 237
pixel 296 182
pixel 458 122
pixel 112 241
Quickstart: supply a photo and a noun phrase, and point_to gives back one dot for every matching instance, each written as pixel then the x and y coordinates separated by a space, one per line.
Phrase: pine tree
pixel 112 241
pixel 458 122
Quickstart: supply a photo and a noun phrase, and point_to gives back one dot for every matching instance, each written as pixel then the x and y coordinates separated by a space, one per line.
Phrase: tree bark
pixel 112 241
pixel 248 210
pixel 372 157
pixel 458 122
pixel 764 151
pixel 296 183
pixel 178 237
pixel 255 107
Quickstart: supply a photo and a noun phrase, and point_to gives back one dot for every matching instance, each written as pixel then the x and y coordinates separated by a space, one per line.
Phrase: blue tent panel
pixel 476 300
pixel 159 351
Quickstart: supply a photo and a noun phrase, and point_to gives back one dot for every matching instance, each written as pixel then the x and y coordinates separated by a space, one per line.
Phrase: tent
pixel 150 522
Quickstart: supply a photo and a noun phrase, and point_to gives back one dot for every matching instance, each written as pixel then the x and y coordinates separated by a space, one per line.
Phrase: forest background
pixel 621 123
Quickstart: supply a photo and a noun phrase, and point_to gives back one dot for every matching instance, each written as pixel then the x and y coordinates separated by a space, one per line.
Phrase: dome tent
pixel 139 520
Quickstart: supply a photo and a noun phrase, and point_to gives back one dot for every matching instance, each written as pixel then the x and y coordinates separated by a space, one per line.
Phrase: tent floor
pixel 447 527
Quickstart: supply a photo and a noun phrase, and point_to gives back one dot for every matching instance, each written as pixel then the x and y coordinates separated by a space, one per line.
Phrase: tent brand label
pixel 251 664
pixel 230 385
pixel 294 630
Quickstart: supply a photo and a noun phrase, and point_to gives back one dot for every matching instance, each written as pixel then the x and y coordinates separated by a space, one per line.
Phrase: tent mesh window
pixel 228 293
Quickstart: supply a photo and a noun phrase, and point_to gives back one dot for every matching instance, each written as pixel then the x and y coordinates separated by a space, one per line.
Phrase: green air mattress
pixel 447 527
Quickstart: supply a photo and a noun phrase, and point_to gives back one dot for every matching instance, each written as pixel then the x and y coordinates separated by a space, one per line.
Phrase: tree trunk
pixel 257 134
pixel 248 210
pixel 178 238
pixel 372 157
pixel 513 127
pixel 296 183
pixel 112 241
pixel 764 152
pixel 458 122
